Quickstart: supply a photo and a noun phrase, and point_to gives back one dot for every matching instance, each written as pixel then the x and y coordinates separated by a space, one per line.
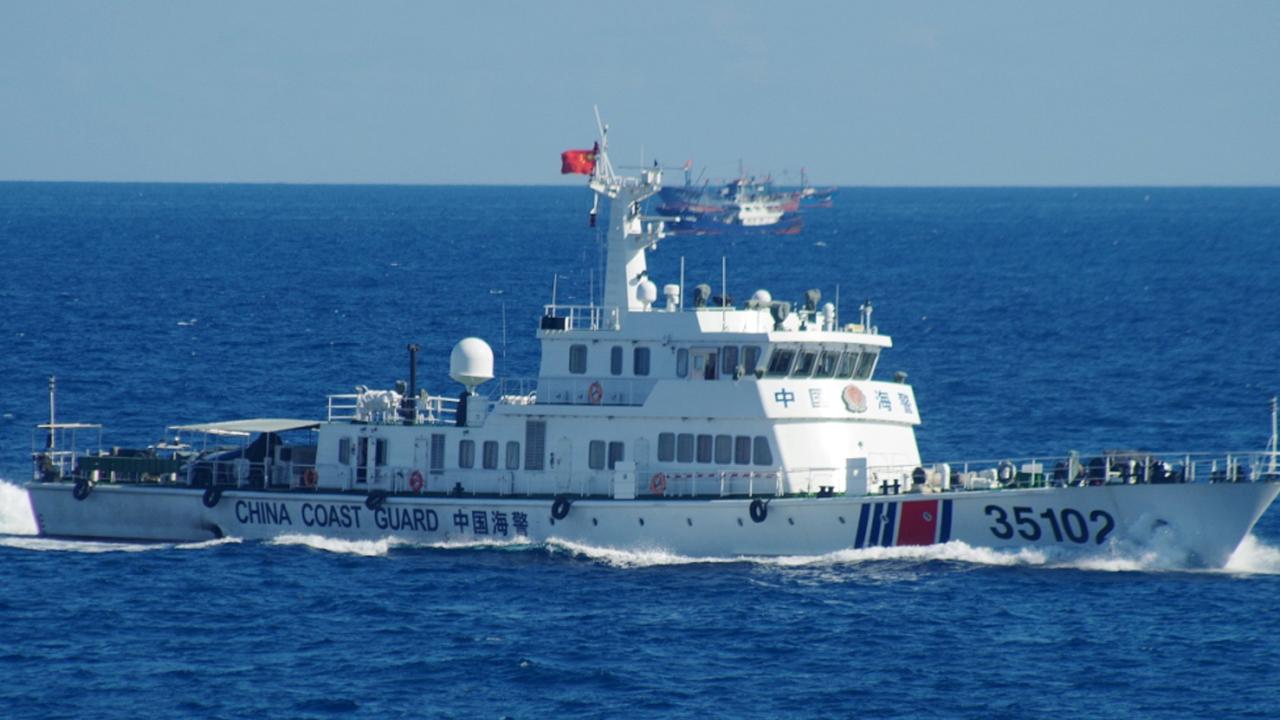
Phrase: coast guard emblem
pixel 853 398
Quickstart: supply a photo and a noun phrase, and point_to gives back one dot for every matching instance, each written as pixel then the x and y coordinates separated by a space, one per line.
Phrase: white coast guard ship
pixel 655 421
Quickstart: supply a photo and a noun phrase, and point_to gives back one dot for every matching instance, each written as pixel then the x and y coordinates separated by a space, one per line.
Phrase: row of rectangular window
pixel 489 455
pixel 718 449
pixel 535 447
pixel 789 362
pixel 639 360
pixel 711 363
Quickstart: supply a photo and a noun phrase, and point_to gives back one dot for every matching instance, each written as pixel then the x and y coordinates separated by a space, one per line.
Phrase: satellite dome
pixel 471 362
pixel 647 292
pixel 762 298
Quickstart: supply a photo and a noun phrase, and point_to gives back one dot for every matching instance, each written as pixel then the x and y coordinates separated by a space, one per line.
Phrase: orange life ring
pixel 658 484
pixel 595 393
pixel 415 481
pixel 309 478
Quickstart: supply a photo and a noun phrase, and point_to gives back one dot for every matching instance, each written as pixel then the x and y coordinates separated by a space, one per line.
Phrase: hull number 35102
pixel 1065 525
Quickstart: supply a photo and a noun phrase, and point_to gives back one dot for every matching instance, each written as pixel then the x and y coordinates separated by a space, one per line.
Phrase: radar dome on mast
pixel 471 362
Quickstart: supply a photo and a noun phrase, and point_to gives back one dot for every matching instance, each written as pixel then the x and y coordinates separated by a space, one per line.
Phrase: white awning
pixel 248 427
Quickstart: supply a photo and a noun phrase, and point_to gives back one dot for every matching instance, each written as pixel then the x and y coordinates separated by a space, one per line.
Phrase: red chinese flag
pixel 582 162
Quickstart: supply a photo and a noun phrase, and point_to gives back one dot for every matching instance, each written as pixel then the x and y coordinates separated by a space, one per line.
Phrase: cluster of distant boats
pixel 743 203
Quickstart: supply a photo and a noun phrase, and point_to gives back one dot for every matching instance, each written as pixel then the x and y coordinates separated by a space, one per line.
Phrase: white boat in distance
pixel 696 427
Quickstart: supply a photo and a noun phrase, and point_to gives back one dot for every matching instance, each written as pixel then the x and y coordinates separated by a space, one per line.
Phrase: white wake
pixel 16 517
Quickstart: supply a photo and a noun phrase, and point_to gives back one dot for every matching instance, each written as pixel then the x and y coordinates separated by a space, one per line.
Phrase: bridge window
pixel 344 450
pixel 742 450
pixel 827 363
pixel 615 453
pixel 762 455
pixel 640 362
pixel 466 453
pixel 848 363
pixel 804 365
pixel 750 359
pixel 490 460
pixel 666 447
pixel 865 366
pixel 615 360
pixel 684 448
pixel 724 449
pixel 513 455
pixel 682 362
pixel 595 455
pixel 780 362
pixel 577 359
pixel 704 448
pixel 728 360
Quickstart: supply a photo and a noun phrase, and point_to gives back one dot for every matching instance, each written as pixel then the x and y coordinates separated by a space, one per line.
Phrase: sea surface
pixel 1030 321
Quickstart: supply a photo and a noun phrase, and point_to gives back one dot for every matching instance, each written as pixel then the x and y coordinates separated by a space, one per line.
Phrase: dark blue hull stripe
pixel 944 533
pixel 874 538
pixel 861 539
pixel 891 514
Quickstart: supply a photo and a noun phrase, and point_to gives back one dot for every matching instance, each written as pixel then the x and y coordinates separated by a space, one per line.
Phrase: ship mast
pixel 629 234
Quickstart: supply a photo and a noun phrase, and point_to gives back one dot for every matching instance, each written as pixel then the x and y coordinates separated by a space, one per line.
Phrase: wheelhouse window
pixel 804 364
pixel 577 359
pixel 848 363
pixel 490 459
pixel 742 450
pixel 666 447
pixel 865 366
pixel 827 363
pixel 615 453
pixel 466 453
pixel 750 359
pixel 640 361
pixel 780 362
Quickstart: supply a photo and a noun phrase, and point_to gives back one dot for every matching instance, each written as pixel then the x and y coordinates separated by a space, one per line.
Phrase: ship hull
pixel 1204 523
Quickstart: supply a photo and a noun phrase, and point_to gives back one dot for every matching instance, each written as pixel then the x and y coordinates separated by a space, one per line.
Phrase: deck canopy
pixel 248 427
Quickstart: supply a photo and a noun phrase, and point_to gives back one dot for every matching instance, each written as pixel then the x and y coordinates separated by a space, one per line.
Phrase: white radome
pixel 471 362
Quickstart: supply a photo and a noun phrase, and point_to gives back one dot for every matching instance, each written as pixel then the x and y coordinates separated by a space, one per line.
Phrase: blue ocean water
pixel 1030 321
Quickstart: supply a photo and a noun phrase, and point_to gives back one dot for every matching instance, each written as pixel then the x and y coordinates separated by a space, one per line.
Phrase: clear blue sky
pixel 862 93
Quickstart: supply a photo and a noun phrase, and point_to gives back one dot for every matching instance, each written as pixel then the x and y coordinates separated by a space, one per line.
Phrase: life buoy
pixel 595 393
pixel 560 508
pixel 415 481
pixel 658 484
pixel 759 510
pixel 375 500
pixel 309 478
pixel 81 490
pixel 211 496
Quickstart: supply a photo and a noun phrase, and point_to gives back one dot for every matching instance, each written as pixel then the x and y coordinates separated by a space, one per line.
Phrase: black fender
pixel 560 508
pixel 212 495
pixel 375 500
pixel 759 510
pixel 81 489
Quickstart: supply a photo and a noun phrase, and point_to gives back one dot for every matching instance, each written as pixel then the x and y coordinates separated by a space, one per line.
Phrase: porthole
pixel 791 521
pixel 597 522
pixel 739 522
pixel 690 521
pixel 642 522
pixel 553 521
pixel 841 519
